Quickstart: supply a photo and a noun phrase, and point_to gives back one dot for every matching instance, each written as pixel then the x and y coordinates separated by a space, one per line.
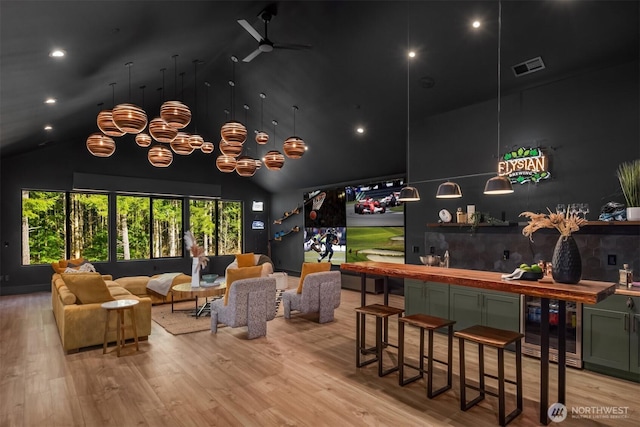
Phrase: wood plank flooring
pixel 301 374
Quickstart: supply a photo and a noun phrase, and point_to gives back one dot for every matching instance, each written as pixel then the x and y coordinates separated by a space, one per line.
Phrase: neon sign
pixel 524 165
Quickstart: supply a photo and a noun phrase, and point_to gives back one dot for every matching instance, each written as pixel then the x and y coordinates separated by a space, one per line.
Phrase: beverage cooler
pixel 530 327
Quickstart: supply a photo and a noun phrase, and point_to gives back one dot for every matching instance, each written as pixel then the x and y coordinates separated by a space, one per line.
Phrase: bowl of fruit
pixel 531 272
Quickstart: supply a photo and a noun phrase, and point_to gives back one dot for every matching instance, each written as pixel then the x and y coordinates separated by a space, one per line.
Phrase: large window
pixel 167 227
pixel 43 227
pixel 134 227
pixel 229 228
pixel 89 226
pixel 146 226
pixel 202 220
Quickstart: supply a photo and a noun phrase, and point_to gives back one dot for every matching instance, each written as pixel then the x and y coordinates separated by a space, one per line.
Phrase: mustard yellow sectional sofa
pixel 82 325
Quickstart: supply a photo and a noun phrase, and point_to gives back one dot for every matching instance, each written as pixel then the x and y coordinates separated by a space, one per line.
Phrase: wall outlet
pixel 432 250
pixel 416 249
pixel 612 259
pixel 505 255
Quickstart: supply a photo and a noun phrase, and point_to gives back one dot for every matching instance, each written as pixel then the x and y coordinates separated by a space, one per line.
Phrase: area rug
pixel 179 322
pixel 182 322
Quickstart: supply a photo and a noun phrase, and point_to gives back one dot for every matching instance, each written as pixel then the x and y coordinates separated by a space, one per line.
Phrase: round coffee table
pixel 186 291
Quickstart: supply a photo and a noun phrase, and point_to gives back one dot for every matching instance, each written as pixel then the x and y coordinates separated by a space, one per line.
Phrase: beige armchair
pixel 320 294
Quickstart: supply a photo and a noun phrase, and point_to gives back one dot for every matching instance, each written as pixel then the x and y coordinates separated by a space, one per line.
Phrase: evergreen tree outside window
pixel 167 227
pixel 133 226
pixel 43 227
pixel 89 226
pixel 202 223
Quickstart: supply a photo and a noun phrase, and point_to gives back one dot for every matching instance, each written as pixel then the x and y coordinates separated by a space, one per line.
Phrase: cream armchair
pixel 320 294
pixel 250 304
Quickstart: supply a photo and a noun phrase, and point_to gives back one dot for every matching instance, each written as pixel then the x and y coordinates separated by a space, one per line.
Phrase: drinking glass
pixel 573 209
pixel 560 208
pixel 584 208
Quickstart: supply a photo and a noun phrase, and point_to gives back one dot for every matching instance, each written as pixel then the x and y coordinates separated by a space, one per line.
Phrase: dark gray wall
pixel 287 254
pixel 53 167
pixel 588 123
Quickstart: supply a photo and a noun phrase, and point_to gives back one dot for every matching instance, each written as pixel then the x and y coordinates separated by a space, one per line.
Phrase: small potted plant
pixel 629 177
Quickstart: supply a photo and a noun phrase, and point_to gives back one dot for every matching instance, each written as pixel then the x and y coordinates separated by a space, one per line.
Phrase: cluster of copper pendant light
pixel 165 135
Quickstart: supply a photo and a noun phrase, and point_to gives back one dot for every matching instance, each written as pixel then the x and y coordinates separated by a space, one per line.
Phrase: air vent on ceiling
pixel 528 67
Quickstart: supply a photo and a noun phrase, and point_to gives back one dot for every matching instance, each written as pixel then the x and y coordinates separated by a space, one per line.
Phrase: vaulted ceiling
pixel 355 73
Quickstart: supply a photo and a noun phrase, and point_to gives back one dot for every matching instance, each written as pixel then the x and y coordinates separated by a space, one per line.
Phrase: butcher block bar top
pixel 586 292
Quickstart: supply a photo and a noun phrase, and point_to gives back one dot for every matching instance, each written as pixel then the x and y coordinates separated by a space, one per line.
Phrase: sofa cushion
pixel 66 296
pixel 117 291
pixel 245 260
pixel 87 287
pixel 312 267
pixel 234 274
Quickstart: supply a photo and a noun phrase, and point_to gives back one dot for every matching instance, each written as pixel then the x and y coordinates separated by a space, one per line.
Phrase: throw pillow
pixel 312 267
pixel 88 288
pixel 234 274
pixel 245 260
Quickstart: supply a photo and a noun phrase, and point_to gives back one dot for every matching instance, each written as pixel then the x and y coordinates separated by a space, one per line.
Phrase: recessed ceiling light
pixel 48 127
pixel 50 101
pixel 476 24
pixel 360 129
pixel 58 53
pixel 412 54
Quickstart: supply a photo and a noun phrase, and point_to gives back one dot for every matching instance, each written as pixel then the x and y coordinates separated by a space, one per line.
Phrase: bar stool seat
pixel 382 313
pixel 430 323
pixel 499 339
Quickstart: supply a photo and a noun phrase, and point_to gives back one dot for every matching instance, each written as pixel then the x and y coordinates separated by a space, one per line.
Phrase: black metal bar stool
pixel 430 323
pixel 382 313
pixel 499 339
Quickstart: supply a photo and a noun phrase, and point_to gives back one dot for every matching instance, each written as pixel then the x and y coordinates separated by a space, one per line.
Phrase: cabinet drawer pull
pixel 626 321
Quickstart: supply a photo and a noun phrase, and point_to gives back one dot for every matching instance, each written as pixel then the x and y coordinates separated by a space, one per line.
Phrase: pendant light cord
pixel 175 76
pixel 408 91
pixel 113 94
pixel 499 63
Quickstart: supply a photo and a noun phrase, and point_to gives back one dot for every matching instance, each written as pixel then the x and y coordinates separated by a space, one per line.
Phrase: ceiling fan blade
pixel 252 55
pixel 291 46
pixel 256 35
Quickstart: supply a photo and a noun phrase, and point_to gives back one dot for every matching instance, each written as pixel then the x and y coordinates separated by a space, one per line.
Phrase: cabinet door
pixel 437 295
pixel 465 307
pixel 414 301
pixel 501 311
pixel 605 338
pixel 634 343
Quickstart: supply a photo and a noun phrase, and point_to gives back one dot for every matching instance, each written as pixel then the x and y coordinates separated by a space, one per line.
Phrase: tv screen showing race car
pixel 375 204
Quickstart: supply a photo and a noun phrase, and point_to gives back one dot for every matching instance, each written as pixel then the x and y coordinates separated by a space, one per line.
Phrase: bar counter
pixel 586 292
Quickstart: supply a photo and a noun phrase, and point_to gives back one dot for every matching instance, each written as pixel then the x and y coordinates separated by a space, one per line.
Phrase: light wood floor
pixel 301 374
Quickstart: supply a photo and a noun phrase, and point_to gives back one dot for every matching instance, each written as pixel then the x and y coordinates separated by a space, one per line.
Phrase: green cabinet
pixel 611 336
pixel 471 306
pixel 467 306
pixel 426 298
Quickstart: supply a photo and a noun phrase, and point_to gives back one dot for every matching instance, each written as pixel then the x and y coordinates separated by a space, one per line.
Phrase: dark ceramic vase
pixel 567 264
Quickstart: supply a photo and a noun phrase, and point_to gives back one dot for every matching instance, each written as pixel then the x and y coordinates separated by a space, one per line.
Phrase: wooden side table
pixel 119 307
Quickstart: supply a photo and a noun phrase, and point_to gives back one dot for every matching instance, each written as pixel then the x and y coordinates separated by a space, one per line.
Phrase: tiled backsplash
pixel 484 248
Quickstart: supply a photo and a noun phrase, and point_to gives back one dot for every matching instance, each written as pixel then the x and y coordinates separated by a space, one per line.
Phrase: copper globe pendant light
pixel 175 113
pixel 128 117
pixel 100 145
pixel 225 163
pixel 294 147
pixel 273 160
pixel 233 132
pixel 160 156
pixel 230 150
pixel 181 144
pixel 105 118
pixel 207 147
pixel 158 127
pixel 246 165
pixel 262 137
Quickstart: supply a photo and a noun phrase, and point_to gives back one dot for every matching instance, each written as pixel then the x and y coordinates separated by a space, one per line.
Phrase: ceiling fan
pixel 264 44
